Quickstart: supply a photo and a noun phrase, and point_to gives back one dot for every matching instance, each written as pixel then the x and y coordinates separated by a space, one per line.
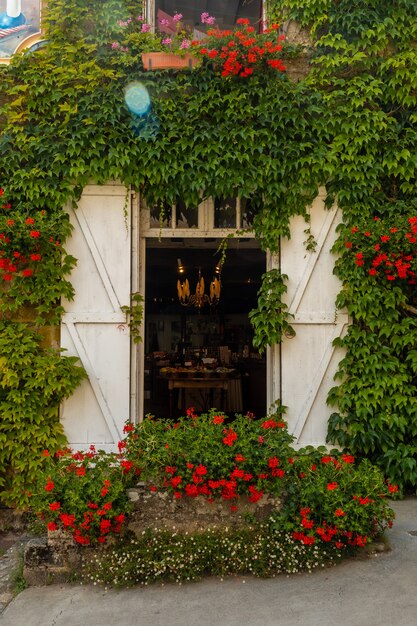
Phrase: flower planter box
pixel 166 61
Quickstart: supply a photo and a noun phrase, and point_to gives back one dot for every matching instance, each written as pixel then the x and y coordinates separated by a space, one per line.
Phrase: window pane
pixel 187 217
pixel 248 212
pixel 225 213
pixel 226 12
pixel 161 216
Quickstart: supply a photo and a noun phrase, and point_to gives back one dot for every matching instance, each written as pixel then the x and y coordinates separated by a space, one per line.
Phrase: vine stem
pixel 409 308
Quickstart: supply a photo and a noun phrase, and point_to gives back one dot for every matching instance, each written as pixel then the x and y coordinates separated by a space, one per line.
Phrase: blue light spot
pixel 137 98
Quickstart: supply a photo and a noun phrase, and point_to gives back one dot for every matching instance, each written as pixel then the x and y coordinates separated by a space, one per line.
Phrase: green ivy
pixel 350 125
pixel 271 319
pixel 33 382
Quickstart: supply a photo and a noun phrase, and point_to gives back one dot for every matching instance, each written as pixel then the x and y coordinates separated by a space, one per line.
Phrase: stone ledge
pixel 161 509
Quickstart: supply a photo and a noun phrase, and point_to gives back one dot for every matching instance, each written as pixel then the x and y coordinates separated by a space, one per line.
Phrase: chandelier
pixel 199 298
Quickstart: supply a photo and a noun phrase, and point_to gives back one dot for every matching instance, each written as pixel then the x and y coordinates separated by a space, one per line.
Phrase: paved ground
pixel 379 591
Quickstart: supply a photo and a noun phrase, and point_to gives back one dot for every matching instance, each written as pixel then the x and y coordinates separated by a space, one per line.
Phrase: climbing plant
pixel 350 125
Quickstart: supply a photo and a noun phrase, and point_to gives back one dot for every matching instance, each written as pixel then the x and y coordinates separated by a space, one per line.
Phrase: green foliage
pixel 334 492
pixel 331 506
pixel 270 318
pixel 82 493
pixel 161 555
pixel 350 125
pixel 207 455
pixel 33 383
pixel 135 313
pixel 33 264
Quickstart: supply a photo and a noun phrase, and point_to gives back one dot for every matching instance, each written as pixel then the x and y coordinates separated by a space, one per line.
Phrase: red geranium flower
pixel 332 486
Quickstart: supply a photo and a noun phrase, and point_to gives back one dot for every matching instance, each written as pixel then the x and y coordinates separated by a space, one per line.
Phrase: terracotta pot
pixel 166 61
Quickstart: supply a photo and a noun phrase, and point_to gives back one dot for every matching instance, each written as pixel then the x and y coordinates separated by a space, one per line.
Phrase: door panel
pixel 309 360
pixel 93 327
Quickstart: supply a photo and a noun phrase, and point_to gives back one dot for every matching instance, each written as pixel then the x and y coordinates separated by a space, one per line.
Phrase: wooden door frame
pixel 140 233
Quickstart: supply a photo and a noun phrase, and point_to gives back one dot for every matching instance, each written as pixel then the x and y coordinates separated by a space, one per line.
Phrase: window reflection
pixel 225 213
pixel 187 217
pixel 173 216
pixel 160 216
pixel 226 12
pixel 248 212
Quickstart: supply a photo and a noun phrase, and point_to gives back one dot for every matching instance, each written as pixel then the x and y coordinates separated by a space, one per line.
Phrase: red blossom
pixel 191 490
pixel 332 486
pixel 67 520
pixel 127 466
pixel 50 485
pixel 230 437
pixel 307 523
pixel 54 506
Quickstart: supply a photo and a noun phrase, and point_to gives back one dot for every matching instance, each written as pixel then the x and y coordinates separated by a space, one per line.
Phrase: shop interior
pixel 198 337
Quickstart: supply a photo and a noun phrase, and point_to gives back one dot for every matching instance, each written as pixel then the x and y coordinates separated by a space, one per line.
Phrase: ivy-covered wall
pixel 350 125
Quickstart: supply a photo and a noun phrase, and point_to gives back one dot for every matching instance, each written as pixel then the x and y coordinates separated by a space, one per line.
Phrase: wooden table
pixel 209 383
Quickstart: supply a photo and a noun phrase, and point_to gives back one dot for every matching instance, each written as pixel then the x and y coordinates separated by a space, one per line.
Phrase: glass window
pixel 160 216
pixel 248 212
pixel 225 213
pixel 176 216
pixel 187 217
pixel 226 12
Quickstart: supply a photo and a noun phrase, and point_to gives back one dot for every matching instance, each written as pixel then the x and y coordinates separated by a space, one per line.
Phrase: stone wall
pixel 193 514
pixel 56 557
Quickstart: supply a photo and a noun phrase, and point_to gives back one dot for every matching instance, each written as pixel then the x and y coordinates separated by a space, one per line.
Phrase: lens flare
pixel 137 98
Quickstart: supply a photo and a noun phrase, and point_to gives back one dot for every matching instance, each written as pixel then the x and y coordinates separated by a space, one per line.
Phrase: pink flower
pixel 145 28
pixel 177 17
pixel 167 41
pixel 207 19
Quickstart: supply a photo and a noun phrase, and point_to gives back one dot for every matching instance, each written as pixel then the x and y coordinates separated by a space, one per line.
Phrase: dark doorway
pixel 202 356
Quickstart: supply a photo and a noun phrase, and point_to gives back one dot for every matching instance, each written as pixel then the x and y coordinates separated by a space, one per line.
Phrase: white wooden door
pixel 93 327
pixel 309 360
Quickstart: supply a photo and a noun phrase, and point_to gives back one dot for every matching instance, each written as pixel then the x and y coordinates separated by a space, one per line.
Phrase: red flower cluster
pixel 327 532
pixel 195 479
pixel 88 520
pixel 238 52
pixel 22 245
pixel 387 251
pixel 230 437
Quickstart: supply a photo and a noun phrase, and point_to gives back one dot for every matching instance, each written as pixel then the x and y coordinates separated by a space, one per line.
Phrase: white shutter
pixel 309 360
pixel 93 327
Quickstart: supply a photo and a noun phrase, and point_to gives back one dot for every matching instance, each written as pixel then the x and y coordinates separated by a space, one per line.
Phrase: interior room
pixel 198 336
